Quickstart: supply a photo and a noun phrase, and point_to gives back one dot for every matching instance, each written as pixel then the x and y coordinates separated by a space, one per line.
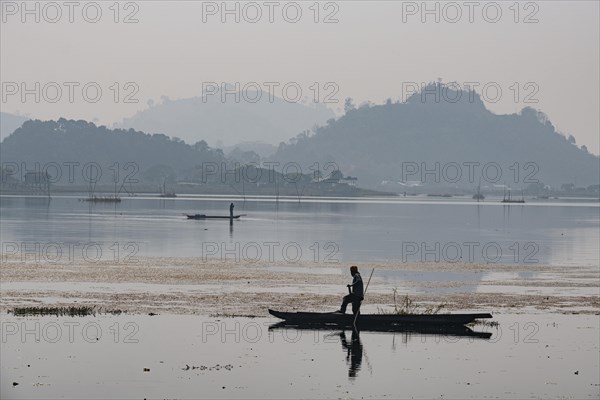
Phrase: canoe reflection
pixel 442 330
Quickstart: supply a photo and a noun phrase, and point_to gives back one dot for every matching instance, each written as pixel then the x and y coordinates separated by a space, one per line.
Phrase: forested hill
pixel 384 142
pixel 69 141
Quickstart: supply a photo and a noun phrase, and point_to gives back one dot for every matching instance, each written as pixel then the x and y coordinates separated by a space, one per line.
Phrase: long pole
pixel 364 294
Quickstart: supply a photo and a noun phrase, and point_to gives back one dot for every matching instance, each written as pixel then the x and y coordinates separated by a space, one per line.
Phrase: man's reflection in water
pixel 354 352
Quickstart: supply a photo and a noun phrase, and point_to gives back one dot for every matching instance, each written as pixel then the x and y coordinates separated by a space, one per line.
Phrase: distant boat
pixel 106 199
pixel 204 216
pixel 509 199
pixel 92 198
pixel 163 191
pixel 439 195
pixel 478 195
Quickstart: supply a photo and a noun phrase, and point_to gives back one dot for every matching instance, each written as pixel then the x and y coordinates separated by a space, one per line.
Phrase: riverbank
pixel 226 287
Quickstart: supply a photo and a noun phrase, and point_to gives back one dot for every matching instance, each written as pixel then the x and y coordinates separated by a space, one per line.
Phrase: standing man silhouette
pixel 231 211
pixel 357 294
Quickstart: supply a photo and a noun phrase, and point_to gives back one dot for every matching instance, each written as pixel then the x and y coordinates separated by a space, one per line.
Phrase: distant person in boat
pixel 356 295
pixel 231 210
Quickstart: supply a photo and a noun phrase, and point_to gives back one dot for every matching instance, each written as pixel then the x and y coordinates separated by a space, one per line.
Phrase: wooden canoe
pixel 203 216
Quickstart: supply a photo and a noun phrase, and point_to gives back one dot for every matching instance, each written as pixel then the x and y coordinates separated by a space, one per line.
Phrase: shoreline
pixel 172 285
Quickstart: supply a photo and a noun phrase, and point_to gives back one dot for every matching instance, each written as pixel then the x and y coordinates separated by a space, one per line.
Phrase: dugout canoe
pixel 203 216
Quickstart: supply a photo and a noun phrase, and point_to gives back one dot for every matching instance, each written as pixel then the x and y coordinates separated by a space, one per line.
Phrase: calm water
pixel 193 357
pixel 189 356
pixel 316 229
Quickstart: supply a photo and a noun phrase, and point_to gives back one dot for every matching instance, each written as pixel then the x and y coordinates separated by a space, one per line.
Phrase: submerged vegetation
pixel 481 322
pixel 232 315
pixel 408 306
pixel 73 311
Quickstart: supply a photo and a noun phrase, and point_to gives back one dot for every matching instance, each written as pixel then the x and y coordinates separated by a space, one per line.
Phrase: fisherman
pixel 356 295
pixel 231 211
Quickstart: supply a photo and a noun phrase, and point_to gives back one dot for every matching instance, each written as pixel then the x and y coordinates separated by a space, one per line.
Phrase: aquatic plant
pixel 409 306
pixel 481 322
pixel 232 315
pixel 72 311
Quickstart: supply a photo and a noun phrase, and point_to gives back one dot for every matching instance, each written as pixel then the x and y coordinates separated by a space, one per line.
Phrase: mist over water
pixel 193 192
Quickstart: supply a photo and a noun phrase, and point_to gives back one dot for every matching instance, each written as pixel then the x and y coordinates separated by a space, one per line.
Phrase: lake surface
pixel 137 356
pixel 323 230
pixel 530 354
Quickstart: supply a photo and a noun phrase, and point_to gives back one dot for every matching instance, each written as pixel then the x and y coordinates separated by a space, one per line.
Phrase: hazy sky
pixel 375 50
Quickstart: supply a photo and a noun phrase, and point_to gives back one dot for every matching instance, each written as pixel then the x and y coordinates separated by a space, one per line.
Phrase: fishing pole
pixel 364 294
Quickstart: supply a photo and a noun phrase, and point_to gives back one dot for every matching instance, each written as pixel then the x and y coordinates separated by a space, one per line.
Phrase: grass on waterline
pixel 408 306
pixel 72 311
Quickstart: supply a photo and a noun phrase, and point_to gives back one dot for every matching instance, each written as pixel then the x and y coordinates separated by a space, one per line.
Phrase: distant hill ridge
pixel 270 119
pixel 373 143
pixel 9 123
pixel 377 143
